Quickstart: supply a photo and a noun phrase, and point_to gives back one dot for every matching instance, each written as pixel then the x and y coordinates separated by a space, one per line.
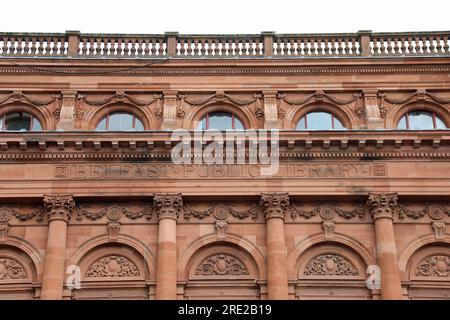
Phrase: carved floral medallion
pixel 330 265
pixel 11 270
pixel 222 264
pixel 112 266
pixel 434 266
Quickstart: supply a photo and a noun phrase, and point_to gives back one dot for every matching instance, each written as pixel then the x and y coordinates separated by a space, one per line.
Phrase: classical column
pixel 59 209
pixel 274 206
pixel 382 208
pixel 168 207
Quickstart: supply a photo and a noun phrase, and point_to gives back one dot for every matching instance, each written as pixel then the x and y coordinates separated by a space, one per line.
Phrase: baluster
pixel 439 44
pixel 446 44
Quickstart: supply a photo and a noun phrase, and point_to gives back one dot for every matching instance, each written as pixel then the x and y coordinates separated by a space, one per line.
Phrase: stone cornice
pixel 180 67
pixel 156 146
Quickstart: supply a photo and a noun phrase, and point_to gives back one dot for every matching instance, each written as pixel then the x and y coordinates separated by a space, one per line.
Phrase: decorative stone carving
pixel 4 228
pixel 170 112
pixel 382 205
pixel 66 113
pixel 274 205
pixel 436 212
pixel 330 265
pixel 270 110
pixel 10 269
pixel 114 211
pixel 328 227
pixel 113 230
pixel 221 212
pixel 219 96
pixel 222 265
pixel 259 113
pixel 221 227
pixel 6 213
pixel 112 266
pixel 434 266
pixel 59 206
pixel 168 205
pixel 371 105
pixel 327 212
pixel 438 229
pixel 281 113
pixel 181 113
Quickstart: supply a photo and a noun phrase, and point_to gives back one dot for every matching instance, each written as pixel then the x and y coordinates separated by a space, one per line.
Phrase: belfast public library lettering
pixel 357 205
pixel 162 171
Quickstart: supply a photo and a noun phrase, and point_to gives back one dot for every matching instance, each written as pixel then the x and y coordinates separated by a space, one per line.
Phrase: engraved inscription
pixel 203 171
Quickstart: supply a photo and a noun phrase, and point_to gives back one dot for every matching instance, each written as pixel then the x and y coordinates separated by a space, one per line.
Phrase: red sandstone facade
pixel 140 227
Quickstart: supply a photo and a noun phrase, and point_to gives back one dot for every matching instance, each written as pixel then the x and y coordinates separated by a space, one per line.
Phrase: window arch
pixel 19 121
pixel 120 121
pixel 221 121
pixel 320 120
pixel 420 120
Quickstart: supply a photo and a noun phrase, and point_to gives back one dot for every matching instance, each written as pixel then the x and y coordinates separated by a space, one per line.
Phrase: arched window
pixel 319 120
pixel 21 121
pixel 220 121
pixel 420 120
pixel 120 121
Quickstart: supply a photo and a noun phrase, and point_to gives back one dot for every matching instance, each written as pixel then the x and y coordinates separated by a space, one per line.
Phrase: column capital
pixel 274 205
pixel 59 206
pixel 168 205
pixel 382 205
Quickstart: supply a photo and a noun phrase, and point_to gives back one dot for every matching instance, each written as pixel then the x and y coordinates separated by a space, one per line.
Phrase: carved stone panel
pixel 434 266
pixel 222 265
pixel 10 269
pixel 112 266
pixel 330 265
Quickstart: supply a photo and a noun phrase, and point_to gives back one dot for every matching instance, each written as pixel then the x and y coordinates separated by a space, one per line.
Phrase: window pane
pixel 440 124
pixel 319 121
pixel 138 126
pixel 202 124
pixel 238 124
pixel 120 122
pixel 402 123
pixel 420 120
pixel 102 124
pixel 338 124
pixel 220 121
pixel 36 125
pixel 301 124
pixel 18 121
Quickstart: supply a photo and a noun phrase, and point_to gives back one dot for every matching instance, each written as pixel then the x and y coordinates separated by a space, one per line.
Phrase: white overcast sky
pixel 225 16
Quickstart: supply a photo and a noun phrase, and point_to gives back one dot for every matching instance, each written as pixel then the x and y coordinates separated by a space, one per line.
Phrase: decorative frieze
pixel 221 212
pixel 11 269
pixel 274 205
pixel 222 265
pixel 22 214
pixel 330 265
pixel 114 211
pixel 434 266
pixel 168 205
pixel 59 206
pixel 327 212
pixel 112 266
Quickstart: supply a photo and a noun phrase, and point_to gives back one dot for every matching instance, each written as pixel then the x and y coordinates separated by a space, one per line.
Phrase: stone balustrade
pixel 73 44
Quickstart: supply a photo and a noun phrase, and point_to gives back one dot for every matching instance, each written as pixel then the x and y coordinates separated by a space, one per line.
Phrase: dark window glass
pixel 120 121
pixel 21 121
pixel 420 120
pixel 221 121
pixel 319 120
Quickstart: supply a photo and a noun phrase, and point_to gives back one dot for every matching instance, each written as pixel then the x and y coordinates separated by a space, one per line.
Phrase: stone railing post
pixel 364 42
pixel 59 209
pixel 268 43
pixel 382 207
pixel 74 43
pixel 171 40
pixel 274 206
pixel 168 207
